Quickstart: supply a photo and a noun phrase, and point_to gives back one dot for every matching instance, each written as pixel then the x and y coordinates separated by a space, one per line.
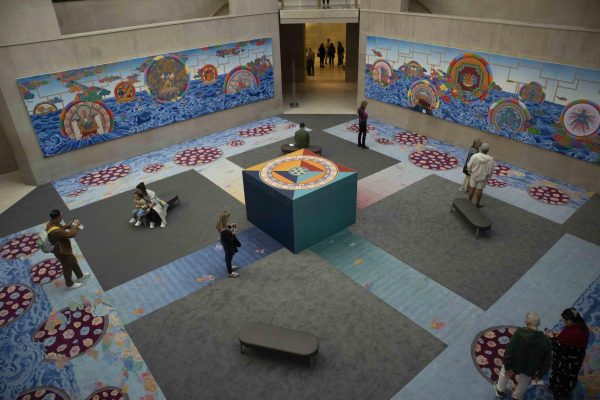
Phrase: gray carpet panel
pixel 416 226
pixel 585 223
pixel 367 349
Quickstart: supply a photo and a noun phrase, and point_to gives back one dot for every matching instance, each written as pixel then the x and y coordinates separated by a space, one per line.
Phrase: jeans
pixel 229 260
pixel 362 132
pixel 138 213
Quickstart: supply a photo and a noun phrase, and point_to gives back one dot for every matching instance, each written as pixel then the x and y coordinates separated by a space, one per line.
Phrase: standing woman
pixel 474 149
pixel 157 206
pixel 321 53
pixel 330 54
pixel 229 241
pixel 340 53
pixel 568 349
pixel 362 124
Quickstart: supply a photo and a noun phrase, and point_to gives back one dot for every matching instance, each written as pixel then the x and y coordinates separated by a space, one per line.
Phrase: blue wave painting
pixel 74 109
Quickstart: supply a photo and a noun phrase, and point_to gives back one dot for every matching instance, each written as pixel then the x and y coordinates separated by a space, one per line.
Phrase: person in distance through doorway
pixel 362 124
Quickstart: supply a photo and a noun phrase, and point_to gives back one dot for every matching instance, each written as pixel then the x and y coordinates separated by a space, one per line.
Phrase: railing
pixel 310 4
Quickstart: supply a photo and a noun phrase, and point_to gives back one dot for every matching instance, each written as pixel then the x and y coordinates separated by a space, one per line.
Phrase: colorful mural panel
pixel 547 105
pixel 70 110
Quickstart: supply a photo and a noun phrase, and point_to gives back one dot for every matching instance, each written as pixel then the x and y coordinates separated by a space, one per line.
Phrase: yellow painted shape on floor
pixel 358 261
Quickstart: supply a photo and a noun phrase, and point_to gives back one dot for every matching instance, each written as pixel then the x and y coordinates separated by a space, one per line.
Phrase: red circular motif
pixel 501 170
pixel 43 393
pixel 77 192
pixel 549 195
pixel 15 300
pixel 258 131
pixel 410 138
pixel 108 393
pixel 20 247
pixel 496 182
pixel 236 143
pixel 105 176
pixel 433 159
pixel 383 140
pixel 150 168
pixel 488 350
pixel 71 332
pixel 197 155
pixel 354 128
pixel 45 271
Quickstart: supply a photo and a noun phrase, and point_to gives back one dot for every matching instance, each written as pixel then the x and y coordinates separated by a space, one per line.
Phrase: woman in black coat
pixel 321 53
pixel 229 242
pixel 330 54
pixel 340 53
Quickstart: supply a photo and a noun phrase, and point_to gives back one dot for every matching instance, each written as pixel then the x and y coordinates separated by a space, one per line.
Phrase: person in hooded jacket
pixel 528 355
pixel 568 348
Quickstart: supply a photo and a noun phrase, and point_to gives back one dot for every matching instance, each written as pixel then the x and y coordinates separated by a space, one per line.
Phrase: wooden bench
pixel 287 148
pixel 472 214
pixel 283 340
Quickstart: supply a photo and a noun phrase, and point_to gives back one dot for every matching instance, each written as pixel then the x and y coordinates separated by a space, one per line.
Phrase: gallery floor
pixel 402 301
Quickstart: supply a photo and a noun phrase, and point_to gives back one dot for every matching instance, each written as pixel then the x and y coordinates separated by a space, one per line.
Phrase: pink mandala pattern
pixel 433 159
pixel 45 271
pixel 410 138
pixel 105 176
pixel 108 393
pixel 496 182
pixel 20 247
pixel 77 192
pixel 383 140
pixel 236 143
pixel 197 156
pixel 501 170
pixel 354 128
pixel 487 350
pixel 43 393
pixel 151 168
pixel 549 195
pixel 70 333
pixel 15 300
pixel 258 131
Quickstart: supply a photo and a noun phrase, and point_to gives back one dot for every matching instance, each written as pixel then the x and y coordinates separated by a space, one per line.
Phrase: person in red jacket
pixel 568 348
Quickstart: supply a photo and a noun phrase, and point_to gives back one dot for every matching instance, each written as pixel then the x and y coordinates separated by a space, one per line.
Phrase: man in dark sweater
pixel 301 137
pixel 60 236
pixel 528 355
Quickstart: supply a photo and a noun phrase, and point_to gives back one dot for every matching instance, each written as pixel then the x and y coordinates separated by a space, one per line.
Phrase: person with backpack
pixel 229 242
pixel 474 149
pixel 59 237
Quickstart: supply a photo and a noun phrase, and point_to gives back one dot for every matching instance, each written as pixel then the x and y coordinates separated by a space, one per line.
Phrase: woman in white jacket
pixel 156 204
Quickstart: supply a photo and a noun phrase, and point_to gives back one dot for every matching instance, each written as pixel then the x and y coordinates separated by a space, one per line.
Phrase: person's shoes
pixel 74 286
pixel 138 223
pixel 499 394
pixel 83 277
pixel 462 189
pixel 152 225
pixel 479 205
pixel 132 220
pixel 364 146
pixel 162 224
pixel 359 145
pixel 234 275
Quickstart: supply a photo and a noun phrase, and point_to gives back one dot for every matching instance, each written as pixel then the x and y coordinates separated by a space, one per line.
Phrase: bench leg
pixel 452 208
pixel 476 233
pixel 312 361
pixel 241 348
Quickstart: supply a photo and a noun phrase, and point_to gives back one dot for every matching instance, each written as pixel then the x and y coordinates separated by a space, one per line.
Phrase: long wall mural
pixel 551 106
pixel 74 109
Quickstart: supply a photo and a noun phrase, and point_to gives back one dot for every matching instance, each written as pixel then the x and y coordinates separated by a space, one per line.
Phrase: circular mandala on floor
pixel 382 140
pixel 45 271
pixel 257 131
pixel 77 192
pixel 197 156
pixel 105 176
pixel 496 182
pixel 501 170
pixel 20 247
pixel 151 168
pixel 236 143
pixel 15 300
pixel 433 159
pixel 488 350
pixel 410 138
pixel 549 195
pixel 108 393
pixel 43 393
pixel 71 332
pixel 354 128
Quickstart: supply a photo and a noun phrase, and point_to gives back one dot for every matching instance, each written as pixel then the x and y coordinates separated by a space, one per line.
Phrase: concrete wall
pixel 7 160
pixel 97 15
pixel 552 44
pixel 292 49
pixel 581 13
pixel 352 40
pixel 63 53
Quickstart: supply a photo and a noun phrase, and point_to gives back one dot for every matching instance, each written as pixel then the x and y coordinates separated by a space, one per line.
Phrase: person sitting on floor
pixel 141 206
pixel 158 208
pixel 301 137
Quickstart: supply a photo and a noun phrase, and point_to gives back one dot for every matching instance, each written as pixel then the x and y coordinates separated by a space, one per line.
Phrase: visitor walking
pixel 321 53
pixel 229 241
pixel 474 149
pixel 310 62
pixel 330 54
pixel 340 53
pixel 362 124
pixel 480 167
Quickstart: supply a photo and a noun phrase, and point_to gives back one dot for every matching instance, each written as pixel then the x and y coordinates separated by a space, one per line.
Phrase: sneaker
pixel 151 225
pixel 479 205
pixel 365 146
pixel 163 224
pixel 83 277
pixel 359 145
pixel 74 286
pixel 138 223
pixel 132 220
pixel 233 275
pixel 499 394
